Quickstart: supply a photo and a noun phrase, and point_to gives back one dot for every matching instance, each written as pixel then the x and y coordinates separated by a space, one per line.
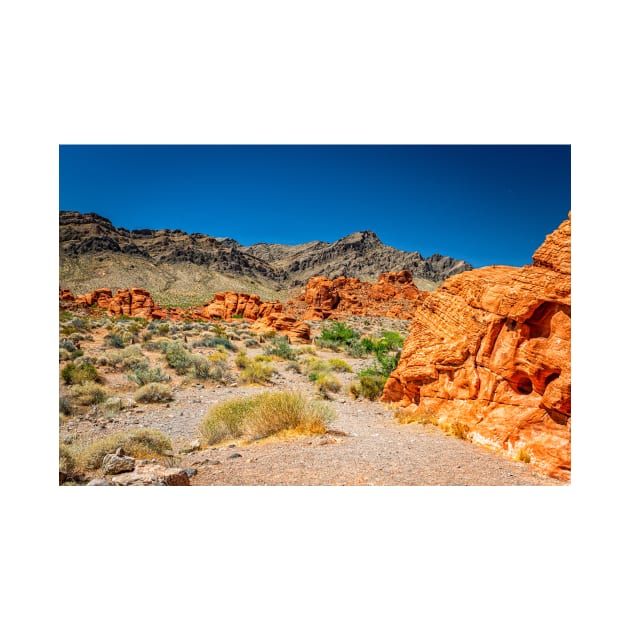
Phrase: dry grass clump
pixel 89 393
pixel 523 456
pixel 138 443
pixel 256 372
pixel 339 365
pixel 265 414
pixel 420 416
pixel 153 393
pixel 327 382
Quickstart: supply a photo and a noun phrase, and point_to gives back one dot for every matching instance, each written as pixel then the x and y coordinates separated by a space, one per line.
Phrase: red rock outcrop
pixel 226 305
pixel 134 302
pixel 393 295
pixel 66 294
pixel 492 350
pixel 100 298
pixel 287 325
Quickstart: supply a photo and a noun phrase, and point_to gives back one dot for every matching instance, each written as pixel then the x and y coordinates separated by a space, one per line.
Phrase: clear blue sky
pixel 485 204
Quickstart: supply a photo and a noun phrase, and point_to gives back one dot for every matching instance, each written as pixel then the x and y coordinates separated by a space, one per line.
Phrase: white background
pixel 317 72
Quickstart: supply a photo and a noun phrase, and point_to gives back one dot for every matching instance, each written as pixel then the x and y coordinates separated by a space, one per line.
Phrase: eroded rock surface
pixel 393 295
pixel 492 349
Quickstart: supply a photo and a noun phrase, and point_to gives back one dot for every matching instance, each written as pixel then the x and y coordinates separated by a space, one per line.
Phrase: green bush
pixel 370 386
pixel 214 342
pixel 153 392
pixel 74 374
pixel 144 374
pixel 263 415
pixel 280 347
pixel 336 334
pixel 214 367
pixel 178 357
pixel 115 341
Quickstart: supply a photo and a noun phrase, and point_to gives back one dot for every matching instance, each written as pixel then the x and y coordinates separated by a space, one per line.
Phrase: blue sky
pixel 482 203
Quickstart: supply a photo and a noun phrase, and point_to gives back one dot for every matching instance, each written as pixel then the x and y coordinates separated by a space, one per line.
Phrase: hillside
pixel 184 269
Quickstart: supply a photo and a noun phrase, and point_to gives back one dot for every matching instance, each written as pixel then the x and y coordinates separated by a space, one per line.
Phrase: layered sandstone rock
pixel 66 294
pixel 134 302
pixel 393 295
pixel 100 298
pixel 285 324
pixel 227 305
pixel 492 349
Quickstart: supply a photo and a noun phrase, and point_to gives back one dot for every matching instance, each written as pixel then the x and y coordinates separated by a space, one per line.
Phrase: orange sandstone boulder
pixel 492 349
pixel 287 325
pixel 66 294
pixel 226 305
pixel 100 298
pixel 134 302
pixel 393 295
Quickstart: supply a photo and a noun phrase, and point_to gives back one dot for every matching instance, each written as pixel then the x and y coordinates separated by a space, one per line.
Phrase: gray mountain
pixel 184 269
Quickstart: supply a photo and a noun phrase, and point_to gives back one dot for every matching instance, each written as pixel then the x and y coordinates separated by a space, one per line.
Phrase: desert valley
pixel 190 360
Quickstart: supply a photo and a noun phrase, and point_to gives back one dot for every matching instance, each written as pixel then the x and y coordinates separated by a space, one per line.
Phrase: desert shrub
pixel 89 393
pixel 523 456
pixel 153 393
pixel 315 367
pixel 219 330
pixel 214 342
pixel 144 374
pixel 263 415
pixel 178 357
pixel 115 340
pixel 112 405
pixel 256 372
pixel 252 343
pixel 129 358
pixel 339 365
pixel 65 405
pixel 74 374
pixel 67 344
pixel 156 345
pixel 370 385
pixel 67 462
pixel 263 358
pixel 214 367
pixel 294 366
pixel 280 347
pixel 336 334
pixel 162 329
pixel 327 382
pixel 307 350
pixel 138 443
pixel 242 360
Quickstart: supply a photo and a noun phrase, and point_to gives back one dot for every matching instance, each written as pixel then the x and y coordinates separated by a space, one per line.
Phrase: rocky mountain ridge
pixel 173 262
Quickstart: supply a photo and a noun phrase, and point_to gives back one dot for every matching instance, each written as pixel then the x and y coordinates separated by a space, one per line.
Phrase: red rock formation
pixel 226 305
pixel 393 295
pixel 66 294
pixel 100 298
pixel 492 349
pixel 134 302
pixel 287 325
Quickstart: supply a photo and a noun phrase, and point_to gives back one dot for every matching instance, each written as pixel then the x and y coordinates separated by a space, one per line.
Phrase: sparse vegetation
pixel 178 357
pixel 523 456
pixel 89 393
pixel 143 374
pixel 153 393
pixel 280 347
pixel 263 415
pixel 256 372
pixel 370 385
pixel 75 374
pixel 138 443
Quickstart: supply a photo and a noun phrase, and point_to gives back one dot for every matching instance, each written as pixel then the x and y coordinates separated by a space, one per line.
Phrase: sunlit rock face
pixel 492 349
